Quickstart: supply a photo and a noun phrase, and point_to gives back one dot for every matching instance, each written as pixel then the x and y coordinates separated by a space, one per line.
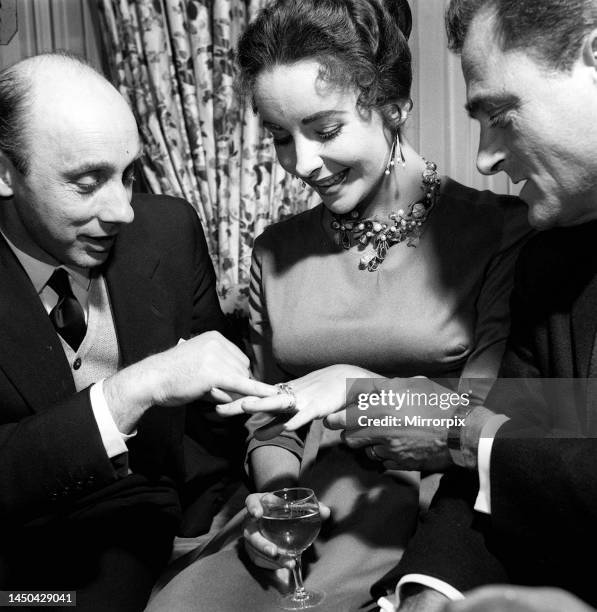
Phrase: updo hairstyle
pixel 359 43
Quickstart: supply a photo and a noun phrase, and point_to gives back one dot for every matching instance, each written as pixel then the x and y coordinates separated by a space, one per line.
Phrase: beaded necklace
pixel 404 225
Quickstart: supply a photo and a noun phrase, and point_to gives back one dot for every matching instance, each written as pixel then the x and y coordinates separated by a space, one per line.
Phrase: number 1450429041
pixel 38 598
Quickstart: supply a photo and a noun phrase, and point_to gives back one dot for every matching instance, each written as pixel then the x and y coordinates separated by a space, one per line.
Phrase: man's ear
pixel 7 171
pixel 589 51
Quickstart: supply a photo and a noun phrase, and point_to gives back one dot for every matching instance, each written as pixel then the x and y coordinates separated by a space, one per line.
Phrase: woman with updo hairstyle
pixel 398 272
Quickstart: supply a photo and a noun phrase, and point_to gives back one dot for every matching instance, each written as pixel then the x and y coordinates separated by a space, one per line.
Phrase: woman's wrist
pixel 273 467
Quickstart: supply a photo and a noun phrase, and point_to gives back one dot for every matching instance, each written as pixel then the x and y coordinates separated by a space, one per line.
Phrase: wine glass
pixel 291 520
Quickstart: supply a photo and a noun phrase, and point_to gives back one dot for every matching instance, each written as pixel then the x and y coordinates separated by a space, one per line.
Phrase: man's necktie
pixel 67 316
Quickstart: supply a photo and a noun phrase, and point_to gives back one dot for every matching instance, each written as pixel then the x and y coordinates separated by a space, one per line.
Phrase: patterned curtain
pixel 173 60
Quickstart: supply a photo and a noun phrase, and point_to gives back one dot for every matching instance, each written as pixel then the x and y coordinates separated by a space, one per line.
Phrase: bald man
pixel 98 289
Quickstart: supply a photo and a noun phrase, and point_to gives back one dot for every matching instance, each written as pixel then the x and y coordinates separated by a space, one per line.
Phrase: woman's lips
pixel 331 181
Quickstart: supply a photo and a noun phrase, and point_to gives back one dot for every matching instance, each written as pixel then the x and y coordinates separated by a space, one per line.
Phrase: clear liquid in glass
pixel 292 529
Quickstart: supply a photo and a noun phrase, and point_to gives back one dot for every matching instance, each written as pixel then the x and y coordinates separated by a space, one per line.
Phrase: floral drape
pixel 173 60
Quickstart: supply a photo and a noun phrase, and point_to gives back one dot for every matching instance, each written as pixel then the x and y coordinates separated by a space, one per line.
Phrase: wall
pixel 44 25
pixel 439 127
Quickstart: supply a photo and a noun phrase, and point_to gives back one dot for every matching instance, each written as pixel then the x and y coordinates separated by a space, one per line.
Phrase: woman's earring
pixel 391 163
pixel 402 160
pixel 392 159
pixel 404 110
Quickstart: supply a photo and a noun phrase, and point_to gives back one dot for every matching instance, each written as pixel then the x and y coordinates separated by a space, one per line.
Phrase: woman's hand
pixel 313 396
pixel 261 551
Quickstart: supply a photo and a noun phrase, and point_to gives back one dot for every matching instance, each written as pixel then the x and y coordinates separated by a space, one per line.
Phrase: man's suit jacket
pixel 55 476
pixel 543 524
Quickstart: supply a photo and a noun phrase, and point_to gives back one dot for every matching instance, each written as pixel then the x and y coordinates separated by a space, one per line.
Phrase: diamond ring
pixel 287 389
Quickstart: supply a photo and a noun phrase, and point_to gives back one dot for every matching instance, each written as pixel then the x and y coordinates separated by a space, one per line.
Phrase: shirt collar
pixel 39 272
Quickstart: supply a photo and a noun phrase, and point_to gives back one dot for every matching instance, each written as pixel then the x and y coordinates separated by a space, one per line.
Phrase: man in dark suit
pixel 109 327
pixel 521 507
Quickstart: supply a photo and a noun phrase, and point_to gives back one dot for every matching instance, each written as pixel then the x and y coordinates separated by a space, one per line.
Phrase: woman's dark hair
pixel 359 43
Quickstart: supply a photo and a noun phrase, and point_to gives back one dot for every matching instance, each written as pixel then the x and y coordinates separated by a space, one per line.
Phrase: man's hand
pixel 421 449
pixel 187 372
pixel 414 435
pixel 260 550
pixel 504 598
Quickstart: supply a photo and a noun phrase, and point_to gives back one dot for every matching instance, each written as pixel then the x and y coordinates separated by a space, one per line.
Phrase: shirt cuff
pixel 429 581
pixel 114 440
pixel 490 429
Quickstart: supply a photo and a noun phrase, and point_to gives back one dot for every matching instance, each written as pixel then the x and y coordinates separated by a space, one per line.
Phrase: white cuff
pixel 429 581
pixel 385 605
pixel 113 439
pixel 483 501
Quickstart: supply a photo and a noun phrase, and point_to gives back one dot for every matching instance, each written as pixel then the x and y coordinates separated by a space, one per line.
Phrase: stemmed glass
pixel 291 520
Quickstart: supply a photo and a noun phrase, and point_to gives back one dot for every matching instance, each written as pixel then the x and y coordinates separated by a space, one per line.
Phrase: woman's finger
pixel 253 505
pixel 265 561
pixel 260 544
pixel 281 402
pixel 244 386
pixel 324 511
pixel 222 397
pixel 230 407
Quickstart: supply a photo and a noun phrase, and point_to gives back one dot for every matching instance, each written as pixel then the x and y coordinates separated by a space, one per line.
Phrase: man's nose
pixel 491 153
pixel 116 206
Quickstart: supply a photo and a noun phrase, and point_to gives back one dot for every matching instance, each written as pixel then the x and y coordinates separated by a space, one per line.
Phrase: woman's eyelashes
pixel 282 138
pixel 331 133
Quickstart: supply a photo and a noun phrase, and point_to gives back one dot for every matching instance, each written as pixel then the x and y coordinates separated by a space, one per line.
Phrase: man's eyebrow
pixel 322 115
pixel 87 167
pixel 100 165
pixel 486 103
